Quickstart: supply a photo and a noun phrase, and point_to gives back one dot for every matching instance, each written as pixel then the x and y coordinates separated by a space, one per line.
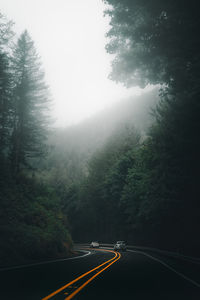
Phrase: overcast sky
pixel 70 37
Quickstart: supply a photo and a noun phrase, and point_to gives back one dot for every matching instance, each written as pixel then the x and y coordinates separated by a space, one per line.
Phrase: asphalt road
pixel 104 275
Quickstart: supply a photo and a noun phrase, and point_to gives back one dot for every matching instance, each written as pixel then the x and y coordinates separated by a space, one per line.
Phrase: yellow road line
pixel 93 277
pixel 83 275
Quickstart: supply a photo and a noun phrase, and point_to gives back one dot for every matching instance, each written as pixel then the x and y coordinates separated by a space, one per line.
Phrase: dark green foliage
pixel 32 225
pixel 6 104
pixel 150 195
pixel 30 95
pixel 98 204
pixel 158 42
pixel 154 41
pixel 112 184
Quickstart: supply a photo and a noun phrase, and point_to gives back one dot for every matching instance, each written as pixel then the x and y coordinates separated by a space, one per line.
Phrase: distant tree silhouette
pixel 6 107
pixel 30 104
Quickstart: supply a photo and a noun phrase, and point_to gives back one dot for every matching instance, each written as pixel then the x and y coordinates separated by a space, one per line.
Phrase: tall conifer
pixel 31 103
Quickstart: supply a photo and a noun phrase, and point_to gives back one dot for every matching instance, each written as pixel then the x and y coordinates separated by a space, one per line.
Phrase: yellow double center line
pixel 99 269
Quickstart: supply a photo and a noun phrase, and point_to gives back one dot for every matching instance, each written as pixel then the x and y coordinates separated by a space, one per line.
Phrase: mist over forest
pixel 130 172
pixel 72 147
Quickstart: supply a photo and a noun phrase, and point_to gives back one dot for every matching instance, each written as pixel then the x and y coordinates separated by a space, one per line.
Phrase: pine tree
pixel 31 100
pixel 5 84
pixel 5 102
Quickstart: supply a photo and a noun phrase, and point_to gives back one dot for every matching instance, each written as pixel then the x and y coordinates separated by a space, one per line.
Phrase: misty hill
pixel 72 147
pixel 91 134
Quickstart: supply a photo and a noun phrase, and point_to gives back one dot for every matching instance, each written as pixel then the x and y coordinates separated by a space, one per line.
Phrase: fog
pixel 70 37
pixel 117 164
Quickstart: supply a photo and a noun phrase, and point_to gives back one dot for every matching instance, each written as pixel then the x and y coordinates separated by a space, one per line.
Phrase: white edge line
pixel 168 267
pixel 46 262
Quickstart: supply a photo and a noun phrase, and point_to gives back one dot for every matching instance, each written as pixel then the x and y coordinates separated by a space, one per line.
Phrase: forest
pixel 129 173
pixel 32 225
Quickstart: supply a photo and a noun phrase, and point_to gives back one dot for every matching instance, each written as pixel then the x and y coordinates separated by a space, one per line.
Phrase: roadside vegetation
pixel 131 173
pixel 146 190
pixel 32 225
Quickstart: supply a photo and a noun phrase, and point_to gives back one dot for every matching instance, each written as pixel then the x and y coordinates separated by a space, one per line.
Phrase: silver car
pixel 120 245
pixel 94 245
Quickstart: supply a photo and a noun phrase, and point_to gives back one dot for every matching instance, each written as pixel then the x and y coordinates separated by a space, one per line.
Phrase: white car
pixel 120 245
pixel 94 245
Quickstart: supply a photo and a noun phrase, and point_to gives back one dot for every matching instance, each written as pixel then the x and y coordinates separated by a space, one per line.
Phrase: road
pixel 104 274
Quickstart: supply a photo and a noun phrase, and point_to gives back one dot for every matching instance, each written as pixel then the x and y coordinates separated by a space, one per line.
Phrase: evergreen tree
pixel 157 42
pixel 5 84
pixel 31 221
pixel 30 104
pixel 5 102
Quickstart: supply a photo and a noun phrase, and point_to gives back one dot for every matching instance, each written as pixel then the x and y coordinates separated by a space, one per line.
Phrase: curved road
pixel 104 274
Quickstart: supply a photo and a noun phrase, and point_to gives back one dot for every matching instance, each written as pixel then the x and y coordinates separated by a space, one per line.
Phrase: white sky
pixel 70 37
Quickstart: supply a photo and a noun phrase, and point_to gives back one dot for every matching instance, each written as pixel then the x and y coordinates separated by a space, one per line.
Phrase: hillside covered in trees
pixel 72 148
pixel 146 191
pixel 129 173
pixel 157 42
pixel 32 225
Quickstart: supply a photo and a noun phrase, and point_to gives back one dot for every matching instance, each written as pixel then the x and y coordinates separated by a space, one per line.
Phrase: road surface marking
pixel 168 267
pixel 92 278
pixel 45 262
pixel 109 262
